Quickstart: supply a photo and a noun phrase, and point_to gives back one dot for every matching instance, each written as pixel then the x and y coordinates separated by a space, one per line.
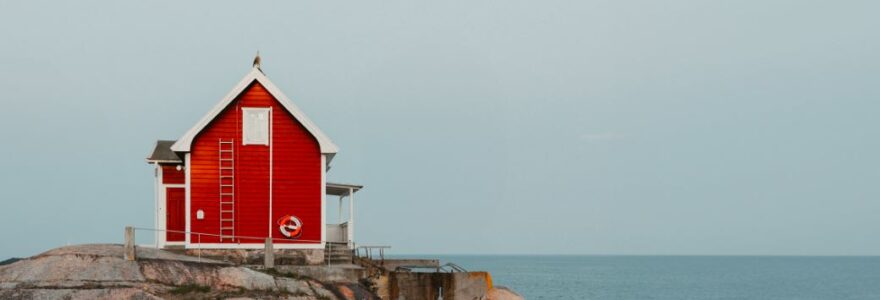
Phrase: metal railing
pixel 445 268
pixel 368 252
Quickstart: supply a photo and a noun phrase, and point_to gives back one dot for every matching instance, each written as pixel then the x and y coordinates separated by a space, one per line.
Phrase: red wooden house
pixel 253 167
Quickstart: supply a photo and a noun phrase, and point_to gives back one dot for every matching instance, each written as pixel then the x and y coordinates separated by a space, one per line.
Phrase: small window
pixel 255 126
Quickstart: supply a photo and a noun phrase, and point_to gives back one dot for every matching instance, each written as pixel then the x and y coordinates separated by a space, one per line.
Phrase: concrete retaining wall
pixel 349 273
pixel 299 257
pixel 454 286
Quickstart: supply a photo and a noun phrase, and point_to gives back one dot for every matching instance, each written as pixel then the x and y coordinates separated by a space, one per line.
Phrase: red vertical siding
pixel 175 213
pixel 296 174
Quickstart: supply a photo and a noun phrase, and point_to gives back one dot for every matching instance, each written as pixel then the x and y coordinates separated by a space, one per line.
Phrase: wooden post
pixel 129 243
pixel 269 257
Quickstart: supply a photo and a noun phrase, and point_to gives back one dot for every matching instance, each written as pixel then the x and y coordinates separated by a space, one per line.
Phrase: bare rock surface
pixel 502 293
pixel 99 271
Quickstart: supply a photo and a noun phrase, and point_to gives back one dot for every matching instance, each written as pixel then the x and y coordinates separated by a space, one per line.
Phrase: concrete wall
pixel 454 286
pixel 300 257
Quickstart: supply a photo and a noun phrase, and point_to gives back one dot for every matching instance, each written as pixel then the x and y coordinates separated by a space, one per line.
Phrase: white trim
pixel 350 222
pixel 244 113
pixel 162 211
pixel 184 144
pixel 253 246
pixel 188 191
pixel 162 161
pixel 323 200
pixel 156 204
pixel 162 215
pixel 271 160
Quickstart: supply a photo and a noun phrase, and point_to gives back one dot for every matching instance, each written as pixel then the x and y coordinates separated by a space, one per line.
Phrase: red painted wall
pixel 296 174
pixel 170 175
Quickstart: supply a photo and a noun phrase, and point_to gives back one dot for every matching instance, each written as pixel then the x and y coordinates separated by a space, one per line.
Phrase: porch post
pixel 156 192
pixel 350 216
pixel 340 210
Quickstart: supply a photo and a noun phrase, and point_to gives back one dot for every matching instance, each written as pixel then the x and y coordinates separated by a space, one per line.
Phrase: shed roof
pixel 324 142
pixel 341 189
pixel 162 153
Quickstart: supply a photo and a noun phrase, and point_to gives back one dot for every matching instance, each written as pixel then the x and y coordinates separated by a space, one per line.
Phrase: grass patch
pixel 9 261
pixel 190 288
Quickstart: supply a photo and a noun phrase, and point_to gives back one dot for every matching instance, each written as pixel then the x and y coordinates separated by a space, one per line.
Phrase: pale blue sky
pixel 536 127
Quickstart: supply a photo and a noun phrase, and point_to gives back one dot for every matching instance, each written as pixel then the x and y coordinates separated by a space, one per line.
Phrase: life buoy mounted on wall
pixel 290 226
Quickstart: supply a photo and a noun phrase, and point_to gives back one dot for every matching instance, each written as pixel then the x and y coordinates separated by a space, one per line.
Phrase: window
pixel 255 126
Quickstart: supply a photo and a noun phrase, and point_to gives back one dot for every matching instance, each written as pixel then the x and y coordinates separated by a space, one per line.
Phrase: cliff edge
pixel 99 271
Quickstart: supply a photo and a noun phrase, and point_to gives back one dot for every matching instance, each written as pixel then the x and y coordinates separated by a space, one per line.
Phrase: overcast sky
pixel 532 127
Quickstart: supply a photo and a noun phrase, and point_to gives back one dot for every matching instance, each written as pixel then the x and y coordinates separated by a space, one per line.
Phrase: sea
pixel 679 277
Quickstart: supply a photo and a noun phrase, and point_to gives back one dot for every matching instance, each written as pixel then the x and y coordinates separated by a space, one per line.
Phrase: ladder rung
pixel 226 169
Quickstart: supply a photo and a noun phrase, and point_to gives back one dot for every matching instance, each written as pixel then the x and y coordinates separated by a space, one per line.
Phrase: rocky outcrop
pixel 100 272
pixel 502 293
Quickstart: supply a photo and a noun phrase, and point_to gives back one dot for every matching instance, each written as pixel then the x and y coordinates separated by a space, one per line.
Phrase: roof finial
pixel 257 61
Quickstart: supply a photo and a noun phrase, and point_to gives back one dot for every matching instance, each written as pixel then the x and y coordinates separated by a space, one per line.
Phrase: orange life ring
pixel 290 226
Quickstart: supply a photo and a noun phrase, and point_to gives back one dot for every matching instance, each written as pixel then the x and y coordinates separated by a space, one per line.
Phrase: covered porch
pixel 342 231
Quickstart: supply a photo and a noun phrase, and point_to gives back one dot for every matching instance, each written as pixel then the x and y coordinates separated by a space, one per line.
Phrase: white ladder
pixel 226 172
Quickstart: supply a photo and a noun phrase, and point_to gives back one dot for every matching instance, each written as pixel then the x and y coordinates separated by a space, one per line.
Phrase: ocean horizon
pixel 677 276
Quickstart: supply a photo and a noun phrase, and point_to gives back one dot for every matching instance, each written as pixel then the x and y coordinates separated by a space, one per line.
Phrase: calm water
pixel 680 277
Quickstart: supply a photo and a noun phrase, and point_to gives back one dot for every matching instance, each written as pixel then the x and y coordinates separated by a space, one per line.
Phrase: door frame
pixel 163 213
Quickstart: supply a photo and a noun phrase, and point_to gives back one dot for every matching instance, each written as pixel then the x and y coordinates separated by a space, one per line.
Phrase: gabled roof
pixel 185 142
pixel 162 154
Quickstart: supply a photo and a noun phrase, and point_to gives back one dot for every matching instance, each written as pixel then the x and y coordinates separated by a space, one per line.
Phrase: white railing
pixel 337 233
